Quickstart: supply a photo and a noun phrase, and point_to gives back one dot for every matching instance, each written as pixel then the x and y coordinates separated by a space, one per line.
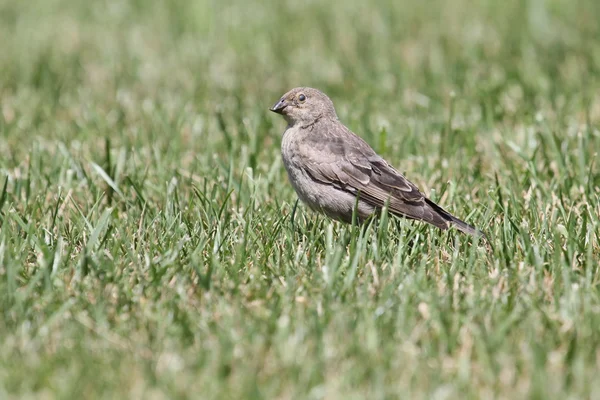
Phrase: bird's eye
pixel 302 97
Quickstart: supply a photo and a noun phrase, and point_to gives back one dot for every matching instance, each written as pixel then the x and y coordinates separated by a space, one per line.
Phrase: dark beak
pixel 279 106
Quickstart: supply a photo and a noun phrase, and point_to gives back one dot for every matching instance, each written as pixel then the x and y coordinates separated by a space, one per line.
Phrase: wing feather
pixel 349 163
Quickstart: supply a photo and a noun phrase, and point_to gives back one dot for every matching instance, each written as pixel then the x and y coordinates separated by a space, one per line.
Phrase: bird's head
pixel 304 105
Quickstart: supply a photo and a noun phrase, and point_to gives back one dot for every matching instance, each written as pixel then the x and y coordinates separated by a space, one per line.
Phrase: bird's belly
pixel 304 186
pixel 333 202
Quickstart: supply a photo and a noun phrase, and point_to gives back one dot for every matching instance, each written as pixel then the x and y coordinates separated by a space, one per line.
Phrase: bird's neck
pixel 310 124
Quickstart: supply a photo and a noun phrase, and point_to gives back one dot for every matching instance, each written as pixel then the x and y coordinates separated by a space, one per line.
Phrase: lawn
pixel 147 246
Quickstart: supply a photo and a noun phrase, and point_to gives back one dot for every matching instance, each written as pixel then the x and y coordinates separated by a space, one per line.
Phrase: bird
pixel 336 172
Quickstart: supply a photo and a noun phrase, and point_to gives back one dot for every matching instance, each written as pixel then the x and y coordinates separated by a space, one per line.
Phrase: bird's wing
pixel 347 162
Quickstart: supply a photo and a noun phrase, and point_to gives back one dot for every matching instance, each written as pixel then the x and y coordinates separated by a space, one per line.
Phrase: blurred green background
pixel 145 243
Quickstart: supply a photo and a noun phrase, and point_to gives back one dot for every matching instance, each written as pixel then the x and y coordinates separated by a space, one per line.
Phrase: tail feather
pixel 459 224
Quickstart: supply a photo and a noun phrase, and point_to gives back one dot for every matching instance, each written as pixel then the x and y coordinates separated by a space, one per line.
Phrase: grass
pixel 146 244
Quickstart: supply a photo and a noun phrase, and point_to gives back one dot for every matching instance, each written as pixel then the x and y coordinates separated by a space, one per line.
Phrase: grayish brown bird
pixel 329 167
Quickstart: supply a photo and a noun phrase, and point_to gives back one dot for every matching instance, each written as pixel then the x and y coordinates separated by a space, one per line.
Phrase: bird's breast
pixel 289 146
pixel 293 160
